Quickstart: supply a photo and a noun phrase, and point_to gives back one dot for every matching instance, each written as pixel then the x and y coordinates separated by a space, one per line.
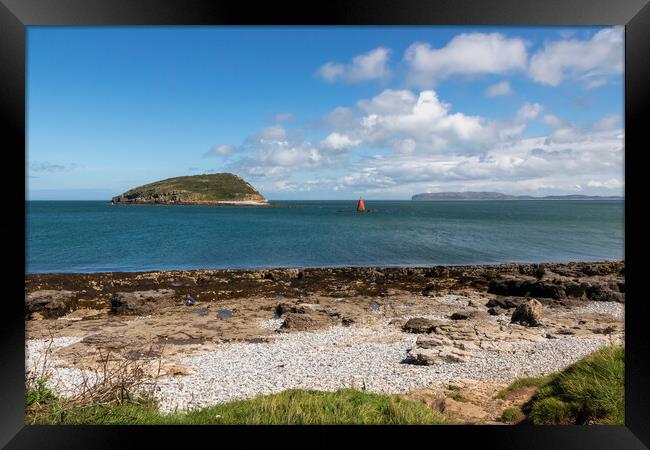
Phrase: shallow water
pixel 96 236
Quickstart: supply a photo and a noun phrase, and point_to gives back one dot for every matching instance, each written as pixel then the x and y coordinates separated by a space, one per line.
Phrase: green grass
pixel 590 391
pixel 511 415
pixel 458 397
pixel 345 406
pixel 38 393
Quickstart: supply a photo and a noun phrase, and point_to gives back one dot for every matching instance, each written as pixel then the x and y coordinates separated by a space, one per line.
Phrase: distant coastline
pixel 441 196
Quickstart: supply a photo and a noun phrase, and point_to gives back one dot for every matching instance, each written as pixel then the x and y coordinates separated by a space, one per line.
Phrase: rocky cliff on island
pixel 213 189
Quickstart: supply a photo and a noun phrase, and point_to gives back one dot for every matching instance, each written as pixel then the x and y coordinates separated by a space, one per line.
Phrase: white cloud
pixel 410 122
pixel 418 142
pixel 404 147
pixel 271 134
pixel 529 111
pixel 337 141
pixel 284 117
pixel 612 183
pixel 274 153
pixel 609 122
pixel 421 117
pixel 530 165
pixel 592 61
pixel 331 71
pixel 553 120
pixel 221 150
pixel 567 132
pixel 501 88
pixel 368 66
pixel 465 54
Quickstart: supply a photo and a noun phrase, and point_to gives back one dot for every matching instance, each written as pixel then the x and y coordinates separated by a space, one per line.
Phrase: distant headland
pixel 212 189
pixel 433 196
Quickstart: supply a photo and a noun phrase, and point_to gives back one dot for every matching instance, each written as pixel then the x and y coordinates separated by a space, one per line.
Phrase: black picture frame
pixel 16 15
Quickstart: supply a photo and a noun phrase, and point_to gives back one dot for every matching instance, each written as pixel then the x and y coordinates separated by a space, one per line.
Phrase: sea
pixel 95 236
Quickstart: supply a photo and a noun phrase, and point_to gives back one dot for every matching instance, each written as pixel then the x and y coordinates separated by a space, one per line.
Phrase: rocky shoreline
pixel 397 330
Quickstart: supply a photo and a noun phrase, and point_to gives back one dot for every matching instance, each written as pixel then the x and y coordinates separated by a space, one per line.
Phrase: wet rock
pixel 526 288
pixel 603 293
pixel 49 303
pixel 141 302
pixel 575 289
pixel 505 303
pixel 547 290
pixel 511 287
pixel 419 325
pixel 528 313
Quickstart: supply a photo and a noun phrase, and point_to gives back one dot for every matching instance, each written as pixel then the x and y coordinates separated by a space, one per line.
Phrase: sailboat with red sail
pixel 361 205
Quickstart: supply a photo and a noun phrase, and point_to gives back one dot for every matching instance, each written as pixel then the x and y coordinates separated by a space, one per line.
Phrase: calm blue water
pixel 96 236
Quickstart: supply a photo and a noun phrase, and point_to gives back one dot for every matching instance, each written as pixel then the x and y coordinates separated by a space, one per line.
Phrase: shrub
pixel 511 415
pixel 589 391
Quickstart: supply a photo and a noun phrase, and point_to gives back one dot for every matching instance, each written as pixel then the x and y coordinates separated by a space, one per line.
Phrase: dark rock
pixel 496 311
pixel 528 313
pixel 603 293
pixel 429 290
pixel 574 289
pixel 49 303
pixel 459 316
pixel 526 288
pixel 141 302
pixel 506 303
pixel 540 272
pixel 306 321
pixel 547 290
pixel 607 330
pixel 513 287
pixel 419 325
pixel 621 287
pixel 283 308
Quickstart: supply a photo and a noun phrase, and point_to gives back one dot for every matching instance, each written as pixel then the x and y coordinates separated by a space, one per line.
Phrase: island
pixel 206 189
pixel 433 196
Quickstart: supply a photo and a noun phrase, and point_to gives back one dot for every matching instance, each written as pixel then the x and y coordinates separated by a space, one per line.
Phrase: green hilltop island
pixel 207 189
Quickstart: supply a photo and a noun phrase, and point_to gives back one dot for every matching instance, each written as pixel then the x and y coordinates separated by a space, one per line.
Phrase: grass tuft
pixel 511 415
pixel 590 391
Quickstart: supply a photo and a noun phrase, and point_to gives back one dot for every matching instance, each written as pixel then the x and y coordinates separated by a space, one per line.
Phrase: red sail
pixel 361 206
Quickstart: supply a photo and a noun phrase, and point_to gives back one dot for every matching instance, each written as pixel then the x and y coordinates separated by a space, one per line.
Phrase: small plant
pixel 511 415
pixel 589 391
pixel 38 393
pixel 458 397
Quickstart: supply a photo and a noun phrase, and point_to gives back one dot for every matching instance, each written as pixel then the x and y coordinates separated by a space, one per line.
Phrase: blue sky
pixel 326 112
